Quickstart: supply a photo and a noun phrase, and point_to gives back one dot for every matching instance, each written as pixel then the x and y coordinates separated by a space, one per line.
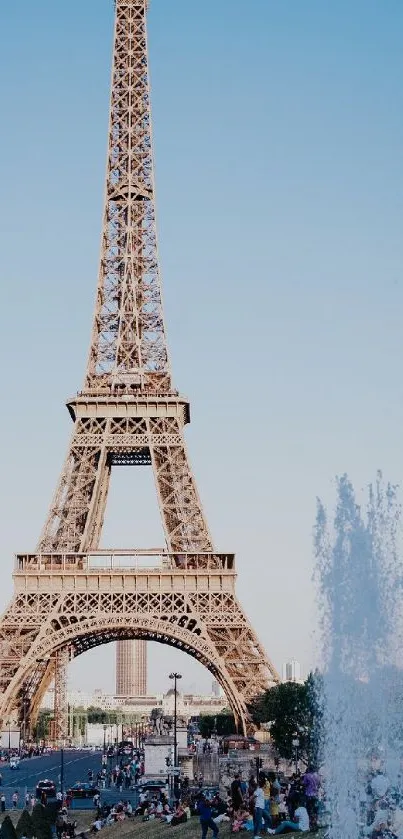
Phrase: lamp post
pixel 142 732
pixel 8 724
pixel 24 715
pixel 295 743
pixel 104 728
pixel 62 771
pixel 175 677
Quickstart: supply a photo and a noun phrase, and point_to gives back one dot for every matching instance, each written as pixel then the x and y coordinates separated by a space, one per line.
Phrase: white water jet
pixel 360 580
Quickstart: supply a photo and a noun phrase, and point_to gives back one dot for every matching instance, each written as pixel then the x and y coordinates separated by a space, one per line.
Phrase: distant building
pixel 188 705
pixel 131 668
pixel 215 689
pixel 292 671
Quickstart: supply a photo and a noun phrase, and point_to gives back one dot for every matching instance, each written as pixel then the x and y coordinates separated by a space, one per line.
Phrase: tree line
pixel 39 824
pixel 82 716
pixel 289 711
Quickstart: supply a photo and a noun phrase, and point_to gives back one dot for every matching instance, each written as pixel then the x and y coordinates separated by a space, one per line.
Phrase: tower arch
pixel 78 639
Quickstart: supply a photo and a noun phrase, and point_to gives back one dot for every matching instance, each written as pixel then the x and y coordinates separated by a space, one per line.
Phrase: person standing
pixel 259 813
pixel 252 785
pixel 3 803
pixel 275 808
pixel 310 785
pixel 206 818
pixel 236 793
pixel 15 800
pixel 267 794
pixel 293 795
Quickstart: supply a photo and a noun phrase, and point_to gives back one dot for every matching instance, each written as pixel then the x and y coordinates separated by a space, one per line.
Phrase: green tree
pixel 41 822
pixel 221 724
pixel 52 808
pixel 42 727
pixel 292 710
pixel 314 718
pixel 101 717
pixel 25 825
pixel 79 720
pixel 7 829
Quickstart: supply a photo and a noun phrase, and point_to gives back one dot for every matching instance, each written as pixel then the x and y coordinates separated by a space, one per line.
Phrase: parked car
pixel 82 790
pixel 152 786
pixel 46 786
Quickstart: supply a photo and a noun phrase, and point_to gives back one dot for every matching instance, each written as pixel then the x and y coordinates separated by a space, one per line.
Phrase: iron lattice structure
pixel 128 413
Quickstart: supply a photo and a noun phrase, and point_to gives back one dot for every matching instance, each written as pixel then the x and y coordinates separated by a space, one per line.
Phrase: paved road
pixel 32 770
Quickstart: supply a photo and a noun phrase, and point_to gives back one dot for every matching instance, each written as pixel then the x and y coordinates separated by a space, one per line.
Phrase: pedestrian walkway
pixel 9 792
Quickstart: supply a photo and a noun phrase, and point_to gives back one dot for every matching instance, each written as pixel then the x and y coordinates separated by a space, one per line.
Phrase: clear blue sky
pixel 279 152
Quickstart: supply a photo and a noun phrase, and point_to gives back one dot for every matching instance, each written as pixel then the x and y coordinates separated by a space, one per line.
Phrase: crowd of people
pixel 265 803
pixel 150 807
pixel 65 827
pixel 123 776
pixel 273 805
pixel 23 752
pixel 381 801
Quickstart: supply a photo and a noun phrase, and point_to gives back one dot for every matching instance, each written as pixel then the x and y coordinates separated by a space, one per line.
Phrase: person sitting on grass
pixel 143 804
pixel 300 823
pixel 241 821
pixel 166 812
pixel 179 816
pixel 111 818
pixel 148 813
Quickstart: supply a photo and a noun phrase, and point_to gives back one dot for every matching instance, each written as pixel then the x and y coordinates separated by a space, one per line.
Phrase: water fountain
pixel 360 582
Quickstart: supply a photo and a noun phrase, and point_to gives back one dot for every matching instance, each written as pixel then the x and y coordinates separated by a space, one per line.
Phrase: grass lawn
pixel 158 830
pixel 84 818
pixel 137 829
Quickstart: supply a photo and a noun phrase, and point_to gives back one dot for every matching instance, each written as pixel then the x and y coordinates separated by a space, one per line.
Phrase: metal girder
pixel 61 658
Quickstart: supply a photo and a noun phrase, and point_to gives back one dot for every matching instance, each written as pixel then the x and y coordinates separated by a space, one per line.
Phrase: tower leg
pixel 61 720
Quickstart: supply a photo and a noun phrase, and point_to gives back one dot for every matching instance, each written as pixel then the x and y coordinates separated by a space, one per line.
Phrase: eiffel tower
pixel 69 596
